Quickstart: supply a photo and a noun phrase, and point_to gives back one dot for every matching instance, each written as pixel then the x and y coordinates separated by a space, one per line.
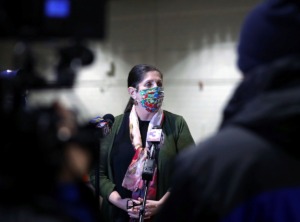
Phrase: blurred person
pixel 74 193
pixel 249 170
pixel 44 155
pixel 124 150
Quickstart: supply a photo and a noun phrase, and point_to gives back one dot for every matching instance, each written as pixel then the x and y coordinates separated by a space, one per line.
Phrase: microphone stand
pixel 147 176
pixel 142 209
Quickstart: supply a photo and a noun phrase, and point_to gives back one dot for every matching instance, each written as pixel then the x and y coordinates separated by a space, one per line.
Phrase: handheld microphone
pixel 154 137
pixel 103 123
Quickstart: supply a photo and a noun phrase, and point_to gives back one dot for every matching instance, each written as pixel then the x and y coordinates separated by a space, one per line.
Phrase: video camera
pixel 27 21
pixel 75 21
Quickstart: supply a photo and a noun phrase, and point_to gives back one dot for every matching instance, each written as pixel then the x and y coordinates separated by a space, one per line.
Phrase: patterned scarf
pixel 133 178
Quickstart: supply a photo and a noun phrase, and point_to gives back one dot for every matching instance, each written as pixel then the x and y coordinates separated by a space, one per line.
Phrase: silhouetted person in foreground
pixel 249 170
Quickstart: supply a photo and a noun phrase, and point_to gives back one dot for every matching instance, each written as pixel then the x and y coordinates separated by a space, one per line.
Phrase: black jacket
pixel 250 169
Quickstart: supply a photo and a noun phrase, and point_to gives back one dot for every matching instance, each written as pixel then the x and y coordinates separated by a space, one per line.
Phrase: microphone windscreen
pixel 109 118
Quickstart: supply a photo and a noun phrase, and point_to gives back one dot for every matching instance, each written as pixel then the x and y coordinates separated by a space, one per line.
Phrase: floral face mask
pixel 152 98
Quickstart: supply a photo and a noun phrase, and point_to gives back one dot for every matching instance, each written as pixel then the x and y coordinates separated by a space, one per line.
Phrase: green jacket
pixel 177 137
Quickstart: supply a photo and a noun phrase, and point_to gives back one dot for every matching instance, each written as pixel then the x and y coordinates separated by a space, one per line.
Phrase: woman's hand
pixel 151 208
pixel 134 207
pixel 116 200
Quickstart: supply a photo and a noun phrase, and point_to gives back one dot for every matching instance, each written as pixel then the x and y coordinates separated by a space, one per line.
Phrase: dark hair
pixel 135 76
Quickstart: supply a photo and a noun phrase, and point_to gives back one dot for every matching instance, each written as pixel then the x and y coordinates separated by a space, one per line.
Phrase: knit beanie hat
pixel 270 31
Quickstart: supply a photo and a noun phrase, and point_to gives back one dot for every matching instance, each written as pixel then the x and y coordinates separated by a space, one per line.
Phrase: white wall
pixel 192 42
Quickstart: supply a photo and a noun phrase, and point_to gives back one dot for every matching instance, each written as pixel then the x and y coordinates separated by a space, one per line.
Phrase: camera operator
pixel 43 157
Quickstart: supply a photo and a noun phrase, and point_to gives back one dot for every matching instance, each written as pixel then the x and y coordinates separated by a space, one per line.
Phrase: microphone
pixel 153 137
pixel 103 123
